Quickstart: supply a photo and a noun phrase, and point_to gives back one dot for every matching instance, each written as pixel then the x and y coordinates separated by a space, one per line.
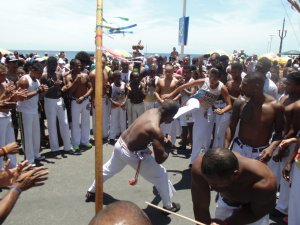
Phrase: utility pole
pixel 270 44
pixel 282 35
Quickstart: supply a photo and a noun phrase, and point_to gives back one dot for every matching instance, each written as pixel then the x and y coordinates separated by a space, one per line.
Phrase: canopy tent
pixel 291 52
pixel 4 51
pixel 270 55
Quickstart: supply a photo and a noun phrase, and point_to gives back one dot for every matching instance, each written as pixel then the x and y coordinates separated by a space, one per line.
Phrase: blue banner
pixel 183 30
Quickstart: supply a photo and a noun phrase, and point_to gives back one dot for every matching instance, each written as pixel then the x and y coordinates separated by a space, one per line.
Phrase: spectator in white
pixel 150 82
pixel 118 111
pixel 29 116
pixel 125 77
pixel 263 65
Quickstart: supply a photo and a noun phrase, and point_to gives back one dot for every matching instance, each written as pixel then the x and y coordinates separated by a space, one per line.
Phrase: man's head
pixel 253 84
pixel 214 76
pixel 12 64
pixel 125 67
pixel 51 64
pixel 76 66
pixel 219 167
pixel 168 109
pixel 121 213
pixel 36 70
pixel 263 65
pixel 169 70
pixel 117 76
pixel 236 70
pixel 292 83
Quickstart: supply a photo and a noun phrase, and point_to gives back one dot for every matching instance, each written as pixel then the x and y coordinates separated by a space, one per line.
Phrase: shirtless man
pixel 258 117
pixel 233 85
pixel 165 86
pixel 247 188
pixel 132 149
pixel 80 88
pixel 291 102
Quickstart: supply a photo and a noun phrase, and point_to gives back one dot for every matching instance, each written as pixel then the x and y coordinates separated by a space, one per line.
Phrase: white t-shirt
pixel 270 88
pixel 30 105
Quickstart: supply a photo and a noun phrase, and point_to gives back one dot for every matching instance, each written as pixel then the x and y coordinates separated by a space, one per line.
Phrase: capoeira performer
pixel 28 110
pixel 150 82
pixel 55 108
pixel 133 144
pixel 290 101
pixel 247 188
pixel 210 89
pixel 80 87
pixel 258 118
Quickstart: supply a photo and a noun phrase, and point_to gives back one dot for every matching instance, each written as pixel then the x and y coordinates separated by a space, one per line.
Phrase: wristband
pixel 15 188
pixel 4 149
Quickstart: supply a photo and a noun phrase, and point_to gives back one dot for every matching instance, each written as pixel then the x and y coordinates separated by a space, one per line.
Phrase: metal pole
pixel 183 14
pixel 98 108
pixel 271 38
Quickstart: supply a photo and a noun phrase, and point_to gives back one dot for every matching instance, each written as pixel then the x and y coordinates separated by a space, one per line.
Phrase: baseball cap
pixel 11 58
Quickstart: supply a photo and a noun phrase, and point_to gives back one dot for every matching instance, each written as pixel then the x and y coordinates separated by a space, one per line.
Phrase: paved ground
pixel 61 200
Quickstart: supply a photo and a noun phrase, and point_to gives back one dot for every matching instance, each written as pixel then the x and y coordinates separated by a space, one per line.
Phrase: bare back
pixel 144 130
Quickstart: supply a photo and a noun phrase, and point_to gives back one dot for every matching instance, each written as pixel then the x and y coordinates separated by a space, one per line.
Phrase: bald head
pixel 121 213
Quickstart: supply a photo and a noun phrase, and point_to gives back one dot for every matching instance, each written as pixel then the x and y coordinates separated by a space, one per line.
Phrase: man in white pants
pixel 80 88
pixel 247 188
pixel 6 127
pixel 28 110
pixel 55 108
pixel 132 149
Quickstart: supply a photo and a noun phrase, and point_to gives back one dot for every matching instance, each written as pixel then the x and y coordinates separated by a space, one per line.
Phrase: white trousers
pixel 80 128
pixel 117 122
pixel 294 201
pixel 170 129
pixel 137 110
pixel 222 123
pixel 55 108
pixel 150 170
pixel 224 211
pixel 283 200
pixel 246 150
pixel 7 136
pixel 31 136
pixel 129 112
pixel 106 107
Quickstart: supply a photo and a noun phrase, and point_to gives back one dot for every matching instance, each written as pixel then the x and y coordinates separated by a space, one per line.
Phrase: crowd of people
pixel 212 102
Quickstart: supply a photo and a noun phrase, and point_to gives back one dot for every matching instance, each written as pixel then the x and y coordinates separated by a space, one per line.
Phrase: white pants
pixel 80 131
pixel 222 123
pixel 129 112
pixel 224 211
pixel 117 122
pixel 283 200
pixel 7 136
pixel 106 107
pixel 137 110
pixel 246 150
pixel 170 129
pixel 31 136
pixel 150 170
pixel 55 108
pixel 294 201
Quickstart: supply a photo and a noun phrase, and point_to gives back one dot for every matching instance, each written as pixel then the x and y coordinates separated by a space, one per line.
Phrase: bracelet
pixel 4 149
pixel 15 188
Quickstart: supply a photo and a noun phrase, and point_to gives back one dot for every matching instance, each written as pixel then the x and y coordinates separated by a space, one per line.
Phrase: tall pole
pixel 183 14
pixel 282 35
pixel 98 109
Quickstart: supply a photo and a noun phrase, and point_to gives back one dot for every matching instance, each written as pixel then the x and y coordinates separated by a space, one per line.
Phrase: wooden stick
pixel 98 109
pixel 176 214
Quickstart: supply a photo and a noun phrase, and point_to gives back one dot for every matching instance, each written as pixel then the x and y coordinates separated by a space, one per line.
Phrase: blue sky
pixel 216 24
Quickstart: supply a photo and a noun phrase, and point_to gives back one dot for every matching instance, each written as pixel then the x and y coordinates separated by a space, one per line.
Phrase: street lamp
pixel 271 38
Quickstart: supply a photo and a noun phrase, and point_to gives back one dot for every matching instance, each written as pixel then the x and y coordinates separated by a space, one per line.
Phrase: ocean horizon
pixel 71 54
